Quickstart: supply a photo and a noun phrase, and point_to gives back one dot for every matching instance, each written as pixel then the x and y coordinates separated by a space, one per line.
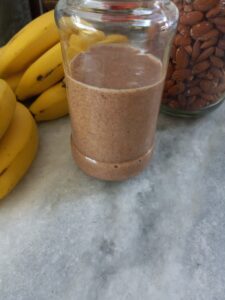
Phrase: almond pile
pixel 196 71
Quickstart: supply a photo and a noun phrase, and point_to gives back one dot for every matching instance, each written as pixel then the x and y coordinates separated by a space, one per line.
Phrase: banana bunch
pixel 51 104
pixel 31 63
pixel 19 140
pixel 7 106
pixel 28 44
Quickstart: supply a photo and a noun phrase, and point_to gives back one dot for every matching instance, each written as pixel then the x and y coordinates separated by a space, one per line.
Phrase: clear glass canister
pixel 115 58
pixel 195 82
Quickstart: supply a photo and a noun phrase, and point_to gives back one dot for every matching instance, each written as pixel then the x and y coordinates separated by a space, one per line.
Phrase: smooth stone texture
pixel 158 236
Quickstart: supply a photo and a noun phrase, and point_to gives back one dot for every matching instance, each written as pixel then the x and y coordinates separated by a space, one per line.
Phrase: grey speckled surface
pixel 159 236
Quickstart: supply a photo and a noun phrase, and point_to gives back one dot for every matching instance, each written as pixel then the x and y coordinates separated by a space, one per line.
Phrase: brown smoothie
pixel 114 97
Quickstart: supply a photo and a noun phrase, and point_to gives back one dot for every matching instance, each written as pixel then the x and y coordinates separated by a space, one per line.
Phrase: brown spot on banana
pixel 3 171
pixel 43 77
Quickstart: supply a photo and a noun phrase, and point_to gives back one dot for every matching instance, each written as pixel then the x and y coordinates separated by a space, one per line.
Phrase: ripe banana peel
pixel 14 80
pixel 52 104
pixel 18 148
pixel 83 40
pixel 7 106
pixel 28 44
pixel 114 38
pixel 86 38
pixel 1 49
pixel 42 74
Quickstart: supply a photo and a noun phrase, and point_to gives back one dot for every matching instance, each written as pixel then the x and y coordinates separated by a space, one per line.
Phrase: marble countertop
pixel 159 236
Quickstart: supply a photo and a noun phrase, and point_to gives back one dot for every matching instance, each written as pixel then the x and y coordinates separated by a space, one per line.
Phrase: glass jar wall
pixel 115 59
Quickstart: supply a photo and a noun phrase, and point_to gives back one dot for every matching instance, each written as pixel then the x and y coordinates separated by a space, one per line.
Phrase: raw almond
pixel 176 89
pixel 216 61
pixel 222 10
pixel 188 8
pixel 195 82
pixel 191 99
pixel 184 30
pixel 213 12
pixel 209 43
pixel 219 21
pixel 209 35
pixel 204 5
pixel 219 52
pixel 208 86
pixel 193 91
pixel 222 80
pixel 191 18
pixel 197 105
pixel 205 54
pixel 179 6
pixel 190 78
pixel 196 50
pixel 181 74
pixel 221 88
pixel 201 75
pixel 181 40
pixel 182 58
pixel 188 49
pixel 216 72
pixel 221 28
pixel 209 75
pixel 199 29
pixel 173 52
pixel 221 44
pixel 201 67
pixel 168 84
pixel 169 71
pixel 208 97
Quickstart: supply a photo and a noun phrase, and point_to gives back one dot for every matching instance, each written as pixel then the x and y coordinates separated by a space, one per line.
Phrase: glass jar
pixel 195 82
pixel 115 59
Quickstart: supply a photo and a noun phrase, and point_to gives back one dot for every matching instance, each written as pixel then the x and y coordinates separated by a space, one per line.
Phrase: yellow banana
pixel 17 149
pixel 52 104
pixel 71 25
pixel 83 41
pixel 14 80
pixel 114 38
pixel 1 49
pixel 68 25
pixel 7 106
pixel 28 44
pixel 42 74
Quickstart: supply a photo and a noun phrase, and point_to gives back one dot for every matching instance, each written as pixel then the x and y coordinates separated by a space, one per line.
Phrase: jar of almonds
pixel 195 82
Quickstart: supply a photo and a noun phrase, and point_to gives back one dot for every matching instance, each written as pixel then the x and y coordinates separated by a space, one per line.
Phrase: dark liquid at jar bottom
pixel 114 97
